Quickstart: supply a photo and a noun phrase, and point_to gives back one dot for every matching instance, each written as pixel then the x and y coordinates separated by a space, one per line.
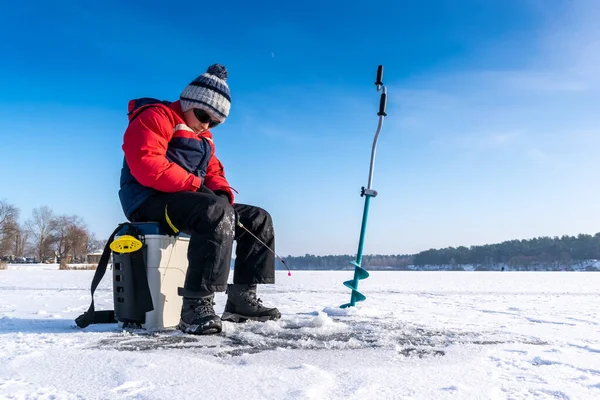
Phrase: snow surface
pixel 419 335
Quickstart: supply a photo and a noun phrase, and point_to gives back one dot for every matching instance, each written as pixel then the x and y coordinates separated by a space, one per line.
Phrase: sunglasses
pixel 205 118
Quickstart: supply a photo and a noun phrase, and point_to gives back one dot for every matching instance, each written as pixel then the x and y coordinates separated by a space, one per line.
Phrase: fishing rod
pixel 264 244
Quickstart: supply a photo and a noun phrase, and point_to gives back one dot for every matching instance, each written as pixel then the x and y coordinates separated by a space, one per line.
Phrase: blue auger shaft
pixel 363 229
pixel 359 272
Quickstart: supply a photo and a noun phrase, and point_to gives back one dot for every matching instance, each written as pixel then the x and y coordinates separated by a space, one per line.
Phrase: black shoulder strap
pixel 99 317
pixel 143 108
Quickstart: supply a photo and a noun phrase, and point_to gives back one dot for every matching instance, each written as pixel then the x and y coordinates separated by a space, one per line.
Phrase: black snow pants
pixel 210 221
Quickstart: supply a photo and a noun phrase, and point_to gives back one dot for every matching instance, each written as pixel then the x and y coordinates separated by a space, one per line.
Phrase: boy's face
pixel 193 122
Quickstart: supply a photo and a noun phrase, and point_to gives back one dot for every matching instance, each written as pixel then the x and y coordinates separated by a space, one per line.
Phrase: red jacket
pixel 163 153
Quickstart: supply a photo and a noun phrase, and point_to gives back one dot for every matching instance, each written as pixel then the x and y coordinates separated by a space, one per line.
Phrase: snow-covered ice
pixel 419 335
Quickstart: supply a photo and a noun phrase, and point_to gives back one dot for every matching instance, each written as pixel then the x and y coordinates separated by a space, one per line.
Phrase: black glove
pixel 222 194
pixel 204 189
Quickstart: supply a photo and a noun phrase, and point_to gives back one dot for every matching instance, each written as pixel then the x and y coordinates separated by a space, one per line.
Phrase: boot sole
pixel 208 328
pixel 232 317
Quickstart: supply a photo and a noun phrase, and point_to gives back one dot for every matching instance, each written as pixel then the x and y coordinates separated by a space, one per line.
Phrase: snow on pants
pixel 210 222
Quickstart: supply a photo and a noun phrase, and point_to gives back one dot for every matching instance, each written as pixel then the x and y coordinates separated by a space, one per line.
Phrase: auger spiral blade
pixel 359 274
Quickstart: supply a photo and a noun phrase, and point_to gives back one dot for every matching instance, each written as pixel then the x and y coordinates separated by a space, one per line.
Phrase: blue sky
pixel 492 130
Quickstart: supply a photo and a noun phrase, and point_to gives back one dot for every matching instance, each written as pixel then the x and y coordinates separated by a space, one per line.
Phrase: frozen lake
pixel 419 335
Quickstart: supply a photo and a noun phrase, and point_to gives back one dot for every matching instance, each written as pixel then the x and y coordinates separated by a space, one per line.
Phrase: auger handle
pixel 379 80
pixel 382 105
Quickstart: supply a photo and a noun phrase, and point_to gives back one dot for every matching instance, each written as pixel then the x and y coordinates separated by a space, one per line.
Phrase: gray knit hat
pixel 208 92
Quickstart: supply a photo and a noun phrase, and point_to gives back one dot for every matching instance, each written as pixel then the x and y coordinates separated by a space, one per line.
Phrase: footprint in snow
pixel 541 361
pixel 449 388
pixel 132 388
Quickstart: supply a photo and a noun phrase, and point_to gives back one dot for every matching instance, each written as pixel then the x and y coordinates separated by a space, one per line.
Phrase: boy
pixel 171 175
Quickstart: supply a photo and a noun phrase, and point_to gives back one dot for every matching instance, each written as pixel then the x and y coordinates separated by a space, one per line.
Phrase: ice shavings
pixel 357 311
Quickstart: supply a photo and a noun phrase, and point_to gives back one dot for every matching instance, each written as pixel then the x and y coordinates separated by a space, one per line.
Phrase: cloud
pixel 571 41
pixel 538 155
pixel 545 104
pixel 532 81
pixel 478 141
pixel 489 141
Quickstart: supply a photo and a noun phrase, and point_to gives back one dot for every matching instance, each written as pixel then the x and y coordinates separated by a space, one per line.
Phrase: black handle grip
pixel 382 104
pixel 379 80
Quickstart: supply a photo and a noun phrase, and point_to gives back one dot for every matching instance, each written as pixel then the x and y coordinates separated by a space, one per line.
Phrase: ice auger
pixel 359 272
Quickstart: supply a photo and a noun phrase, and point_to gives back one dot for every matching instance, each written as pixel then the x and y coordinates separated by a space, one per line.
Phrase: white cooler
pixel 165 261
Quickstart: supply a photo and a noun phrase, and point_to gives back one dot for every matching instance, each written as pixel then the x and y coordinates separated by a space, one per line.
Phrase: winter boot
pixel 198 316
pixel 242 304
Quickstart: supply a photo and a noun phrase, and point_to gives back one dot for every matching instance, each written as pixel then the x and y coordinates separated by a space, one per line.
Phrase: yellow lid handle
pixel 125 244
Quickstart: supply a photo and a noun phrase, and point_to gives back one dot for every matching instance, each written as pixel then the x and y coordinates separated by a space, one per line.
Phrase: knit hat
pixel 208 92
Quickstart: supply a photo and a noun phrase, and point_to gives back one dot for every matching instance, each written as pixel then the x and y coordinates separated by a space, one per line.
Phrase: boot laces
pixel 252 299
pixel 205 306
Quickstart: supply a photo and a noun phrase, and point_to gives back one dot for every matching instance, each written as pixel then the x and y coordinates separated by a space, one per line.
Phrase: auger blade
pixel 361 273
pixel 350 285
pixel 356 297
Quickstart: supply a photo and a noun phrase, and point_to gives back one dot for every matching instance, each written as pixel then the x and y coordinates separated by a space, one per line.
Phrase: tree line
pixel 45 236
pixel 519 254
pixel 537 251
pixel 372 262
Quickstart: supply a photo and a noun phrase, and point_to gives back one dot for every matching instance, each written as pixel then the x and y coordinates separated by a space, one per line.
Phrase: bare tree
pixel 41 227
pixel 79 237
pixel 94 244
pixel 20 243
pixel 71 237
pixel 9 226
pixel 62 226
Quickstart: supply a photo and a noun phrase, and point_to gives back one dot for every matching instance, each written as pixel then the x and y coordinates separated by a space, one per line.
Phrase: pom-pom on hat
pixel 208 92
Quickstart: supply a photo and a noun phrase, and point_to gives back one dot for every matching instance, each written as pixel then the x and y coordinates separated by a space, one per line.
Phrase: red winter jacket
pixel 164 154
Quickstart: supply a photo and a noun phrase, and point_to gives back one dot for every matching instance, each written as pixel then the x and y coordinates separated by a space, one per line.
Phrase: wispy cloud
pixel 538 107
pixel 487 141
pixel 478 141
pixel 531 82
pixel 538 155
